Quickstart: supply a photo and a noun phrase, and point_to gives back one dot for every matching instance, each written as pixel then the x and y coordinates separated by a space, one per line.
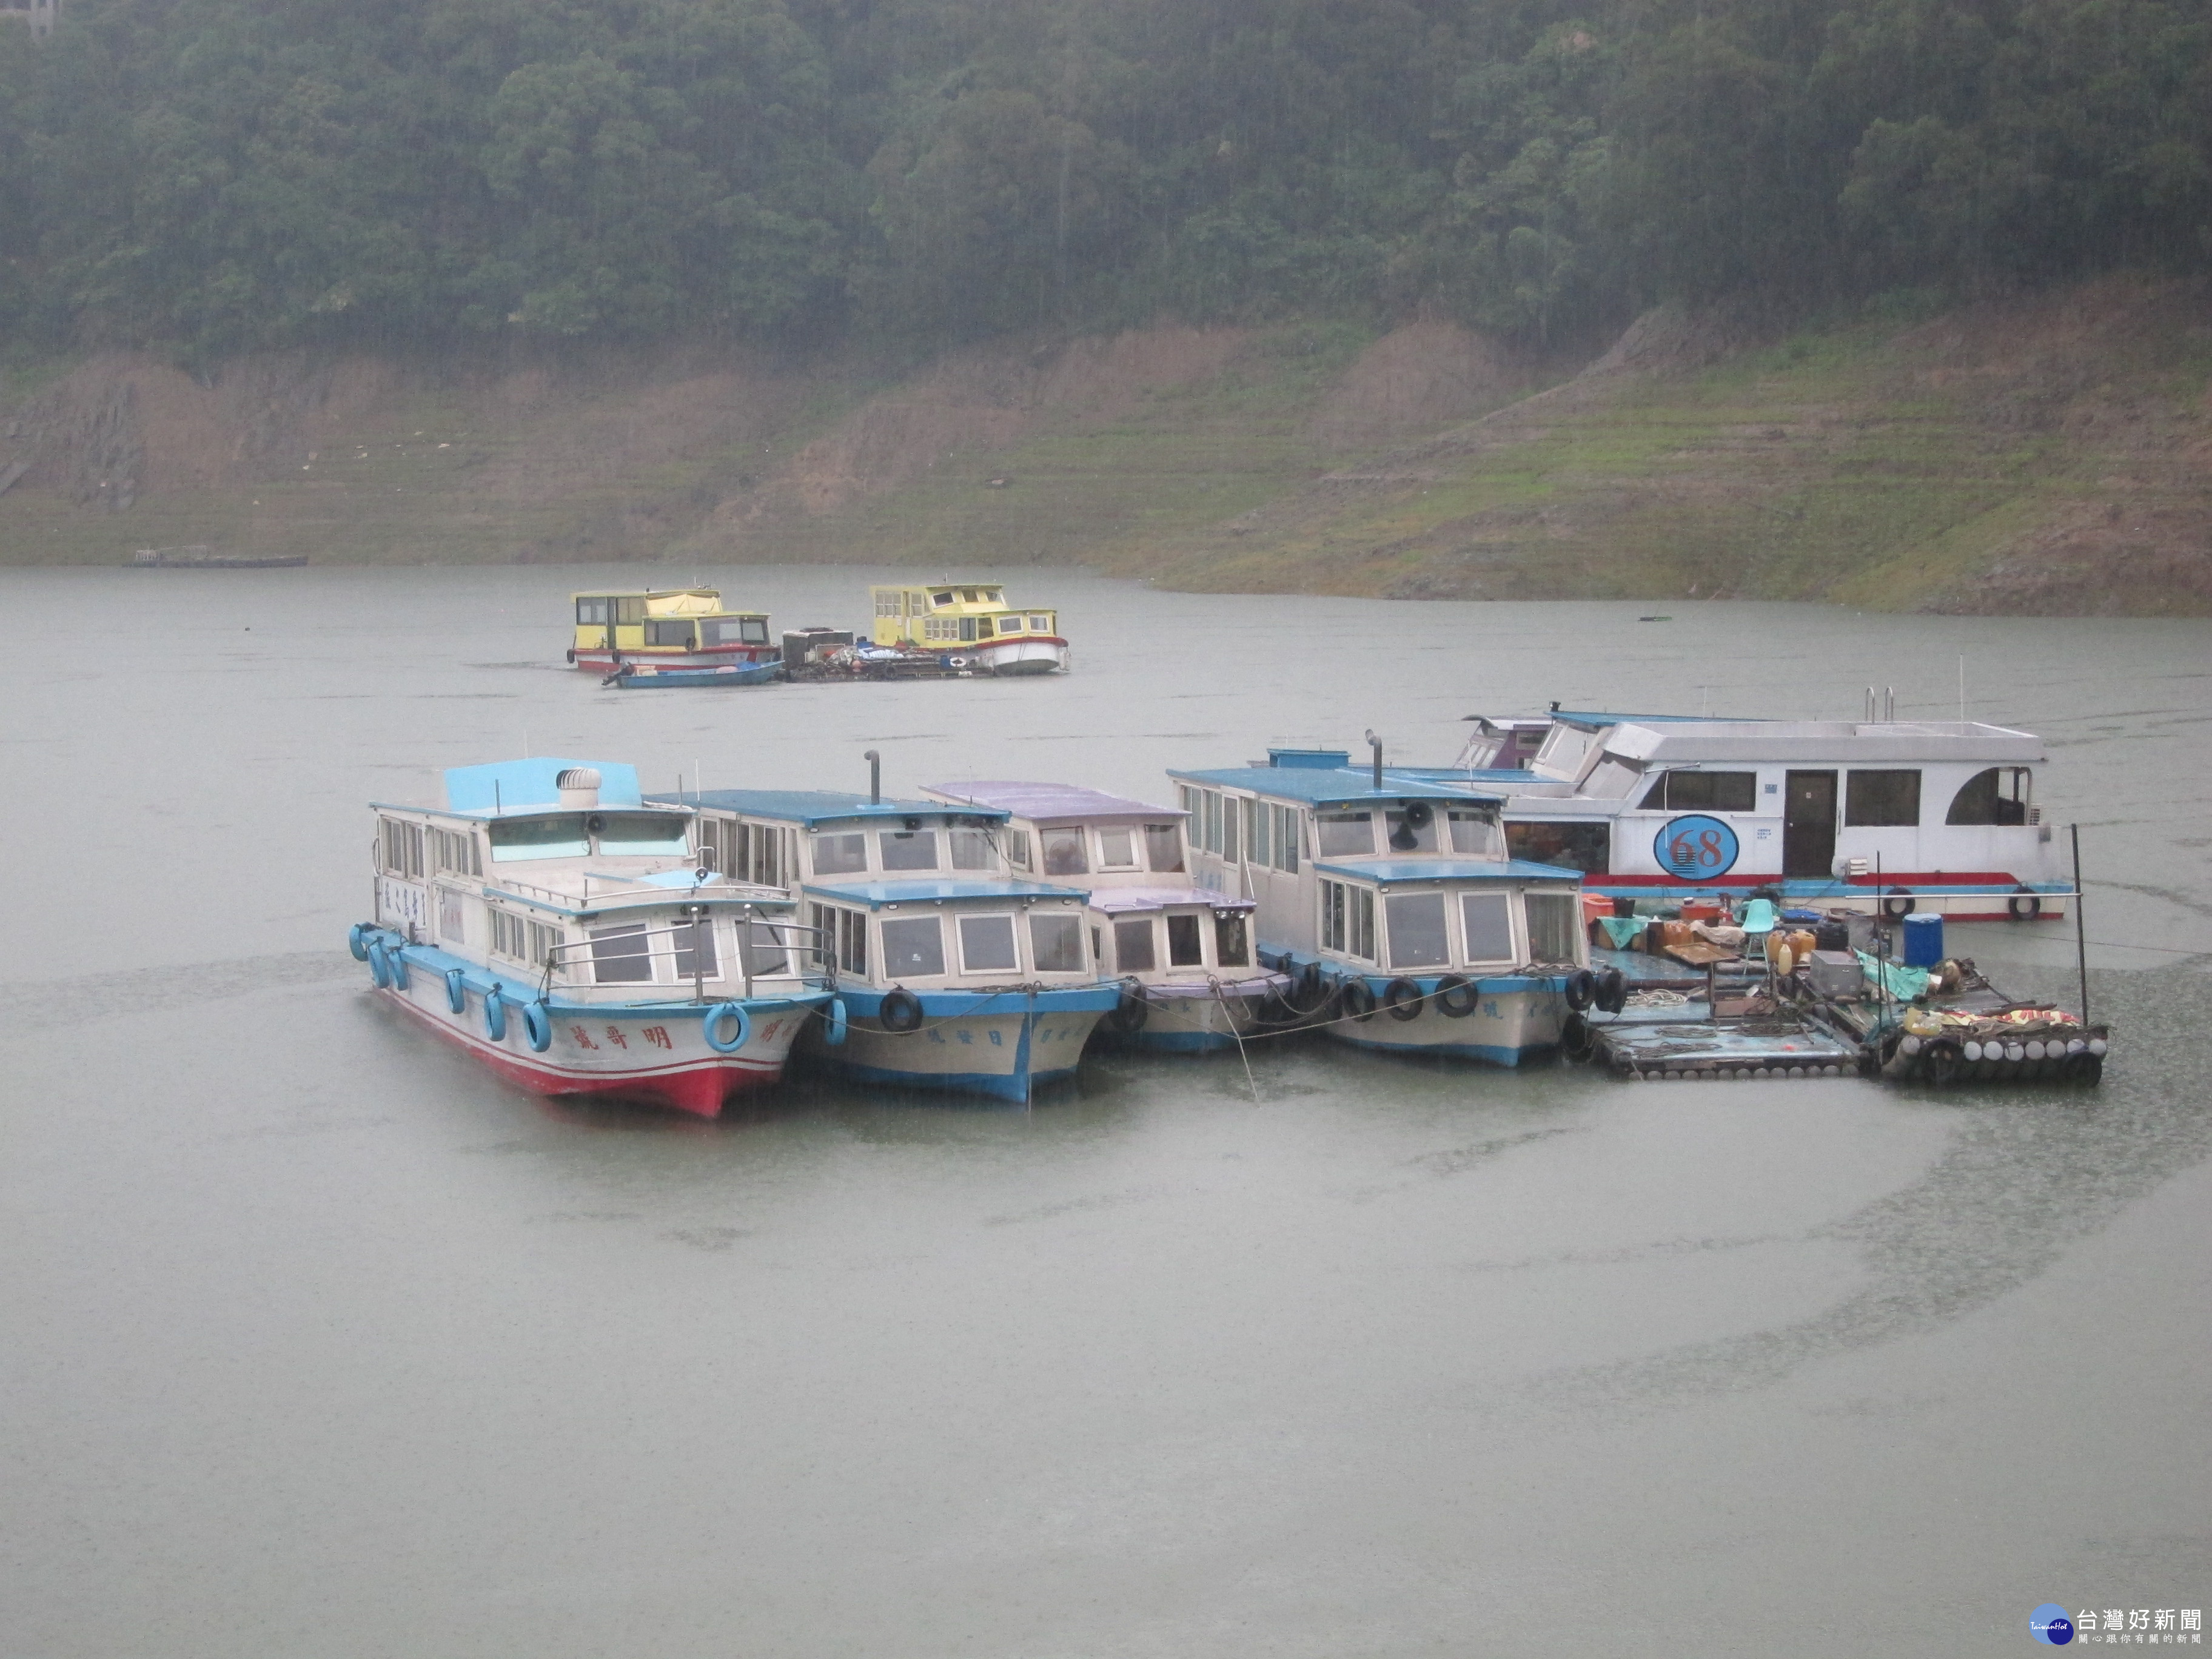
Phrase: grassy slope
pixel 2052 455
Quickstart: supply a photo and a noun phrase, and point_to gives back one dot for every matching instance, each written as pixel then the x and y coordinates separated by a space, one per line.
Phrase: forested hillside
pixel 202 178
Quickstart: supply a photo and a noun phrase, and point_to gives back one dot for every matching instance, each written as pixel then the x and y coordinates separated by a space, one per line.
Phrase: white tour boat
pixel 1190 978
pixel 950 973
pixel 554 924
pixel 1390 901
pixel 1900 815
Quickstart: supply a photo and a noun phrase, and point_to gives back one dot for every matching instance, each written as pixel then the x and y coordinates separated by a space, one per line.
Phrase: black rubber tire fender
pixel 1357 999
pixel 2024 905
pixel 900 1011
pixel 1402 998
pixel 1130 1013
pixel 1897 904
pixel 1455 996
pixel 1612 991
pixel 1581 989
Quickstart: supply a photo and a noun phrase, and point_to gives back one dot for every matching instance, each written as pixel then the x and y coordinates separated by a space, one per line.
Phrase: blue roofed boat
pixel 1390 899
pixel 952 971
pixel 646 676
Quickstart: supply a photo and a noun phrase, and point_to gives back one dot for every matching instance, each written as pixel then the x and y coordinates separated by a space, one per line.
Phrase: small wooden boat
pixel 647 677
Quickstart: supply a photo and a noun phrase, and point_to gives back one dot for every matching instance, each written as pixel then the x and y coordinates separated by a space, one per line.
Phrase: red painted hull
pixel 685 1086
pixel 600 661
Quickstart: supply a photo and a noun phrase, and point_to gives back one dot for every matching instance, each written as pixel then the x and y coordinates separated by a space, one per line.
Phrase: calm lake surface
pixel 316 1340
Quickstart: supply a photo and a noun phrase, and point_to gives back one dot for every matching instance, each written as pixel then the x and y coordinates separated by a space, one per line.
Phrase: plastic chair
pixel 1758 916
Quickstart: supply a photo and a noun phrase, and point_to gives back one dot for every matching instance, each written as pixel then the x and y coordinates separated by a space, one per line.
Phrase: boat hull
pixel 1002 1045
pixel 600 660
pixel 653 1053
pixel 1039 655
pixel 1193 1019
pixel 1517 1018
pixel 657 679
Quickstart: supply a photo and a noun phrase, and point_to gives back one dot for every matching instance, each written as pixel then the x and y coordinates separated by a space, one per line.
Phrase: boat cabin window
pixel 1345 833
pixel 455 850
pixel 1417 930
pixel 533 942
pixel 516 840
pixel 995 596
pixel 840 855
pixel 1487 921
pixel 890 603
pixel 1996 796
pixel 983 627
pixel 1185 949
pixel 629 610
pixel 1347 918
pixel 1117 848
pixel 1209 807
pixel 1056 942
pixel 941 598
pixel 762 949
pixel 1407 836
pixel 740 630
pixel 1133 947
pixel 668 633
pixel 592 612
pixel 1232 938
pixel 634 833
pixel 841 939
pixel 1882 800
pixel 1063 853
pixel 453 916
pixel 1700 792
pixel 1230 815
pixel 1259 831
pixel 621 955
pixel 986 945
pixel 971 849
pixel 1164 847
pixel 694 950
pixel 1552 926
pixel 1571 844
pixel 1040 624
pixel 908 849
pixel 1286 837
pixel 1018 848
pixel 403 848
pixel 1475 833
pixel 967 594
pixel 914 948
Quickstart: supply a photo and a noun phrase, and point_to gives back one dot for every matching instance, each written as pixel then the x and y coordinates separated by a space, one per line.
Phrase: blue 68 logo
pixel 2051 1625
pixel 1695 848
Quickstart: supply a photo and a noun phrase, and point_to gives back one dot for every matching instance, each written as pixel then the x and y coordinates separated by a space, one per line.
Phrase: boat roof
pixel 575 892
pixel 1335 786
pixel 1113 899
pixel 518 787
pixel 877 894
pixel 1049 800
pixel 1687 740
pixel 1386 873
pixel 807 807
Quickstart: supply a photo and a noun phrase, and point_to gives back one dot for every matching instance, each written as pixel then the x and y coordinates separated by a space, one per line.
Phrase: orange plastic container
pixel 1701 910
pixel 1595 905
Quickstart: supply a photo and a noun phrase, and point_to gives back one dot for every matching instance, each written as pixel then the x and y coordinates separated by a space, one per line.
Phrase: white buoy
pixel 1973 1050
pixel 2034 1050
pixel 2098 1046
pixel 2015 1051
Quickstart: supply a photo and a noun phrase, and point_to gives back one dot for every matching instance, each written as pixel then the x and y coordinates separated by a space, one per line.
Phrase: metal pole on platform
pixel 2080 936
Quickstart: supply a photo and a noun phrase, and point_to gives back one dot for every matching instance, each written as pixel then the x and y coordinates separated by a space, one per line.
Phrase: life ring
pixel 457 989
pixel 713 1023
pixel 380 966
pixel 834 1022
pixel 538 1026
pixel 355 943
pixel 496 1015
pixel 1581 989
pixel 1358 999
pixel 901 1011
pixel 1130 1013
pixel 955 662
pixel 1455 996
pixel 1402 998
pixel 2024 905
pixel 1612 991
pixel 1897 904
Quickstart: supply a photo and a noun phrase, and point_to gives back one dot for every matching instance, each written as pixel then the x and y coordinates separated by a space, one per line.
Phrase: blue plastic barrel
pixel 1923 940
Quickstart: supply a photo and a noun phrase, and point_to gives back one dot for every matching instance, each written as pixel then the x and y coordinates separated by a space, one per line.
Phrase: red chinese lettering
pixel 658 1036
pixel 583 1037
pixel 615 1036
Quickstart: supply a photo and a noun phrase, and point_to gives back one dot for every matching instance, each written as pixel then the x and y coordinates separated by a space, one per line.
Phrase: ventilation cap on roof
pixel 579 786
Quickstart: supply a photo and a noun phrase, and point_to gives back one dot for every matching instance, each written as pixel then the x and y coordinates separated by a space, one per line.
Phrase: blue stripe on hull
pixel 998 1086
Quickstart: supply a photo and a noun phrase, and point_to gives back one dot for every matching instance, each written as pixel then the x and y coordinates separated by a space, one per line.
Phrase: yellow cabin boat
pixel 668 627
pixel 971 620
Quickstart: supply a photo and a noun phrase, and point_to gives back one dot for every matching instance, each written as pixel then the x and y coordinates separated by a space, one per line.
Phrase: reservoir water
pixel 316 1341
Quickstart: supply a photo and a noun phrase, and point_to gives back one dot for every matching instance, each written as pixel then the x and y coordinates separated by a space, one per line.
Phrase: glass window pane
pixel 1063 853
pixel 1552 930
pixel 1117 849
pixel 986 945
pixel 1233 940
pixel 1163 846
pixel 1417 930
pixel 761 949
pixel 620 956
pixel 838 855
pixel 1184 950
pixel 1882 800
pixel 1018 848
pixel 1475 834
pixel 1404 837
pixel 694 950
pixel 1286 840
pixel 539 838
pixel 971 849
pixel 1583 846
pixel 637 832
pixel 914 948
pixel 1488 919
pixel 1345 833
pixel 1259 819
pixel 1133 950
pixel 908 849
pixel 1057 941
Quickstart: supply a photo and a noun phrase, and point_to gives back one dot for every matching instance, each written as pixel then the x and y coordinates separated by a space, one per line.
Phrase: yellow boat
pixel 970 620
pixel 666 628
